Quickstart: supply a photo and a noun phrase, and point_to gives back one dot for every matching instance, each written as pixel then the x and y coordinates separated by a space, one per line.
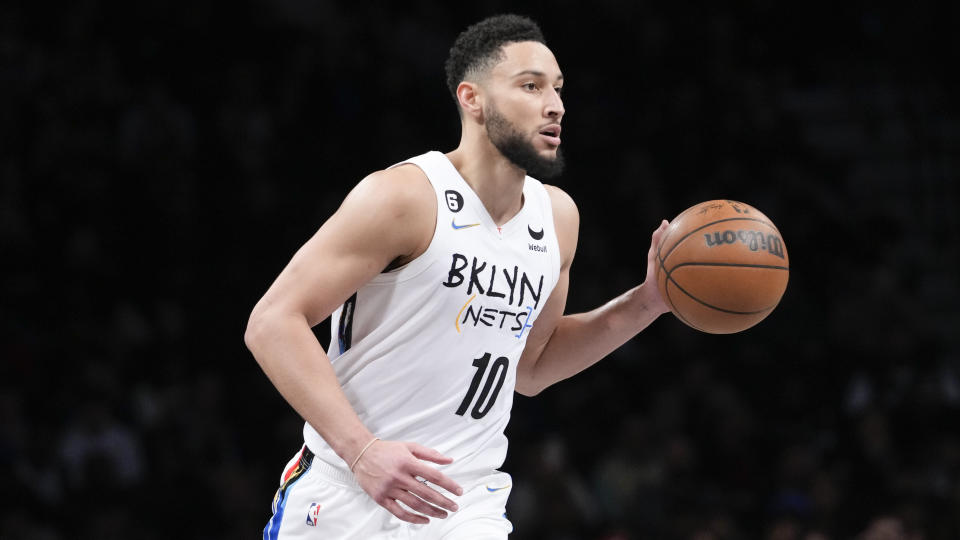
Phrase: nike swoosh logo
pixel 455 226
pixel 491 490
pixel 535 235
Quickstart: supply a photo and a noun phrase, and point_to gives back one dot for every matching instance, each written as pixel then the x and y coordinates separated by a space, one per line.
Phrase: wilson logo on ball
pixel 754 240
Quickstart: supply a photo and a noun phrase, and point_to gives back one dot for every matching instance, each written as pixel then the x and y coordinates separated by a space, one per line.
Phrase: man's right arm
pixel 388 218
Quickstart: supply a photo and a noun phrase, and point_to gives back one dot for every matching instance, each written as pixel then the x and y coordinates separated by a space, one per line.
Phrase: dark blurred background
pixel 161 162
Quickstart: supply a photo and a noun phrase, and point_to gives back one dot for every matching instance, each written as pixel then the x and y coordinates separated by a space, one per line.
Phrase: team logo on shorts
pixel 313 514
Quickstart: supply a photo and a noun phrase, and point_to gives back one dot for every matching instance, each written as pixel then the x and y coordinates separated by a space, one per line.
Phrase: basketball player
pixel 446 277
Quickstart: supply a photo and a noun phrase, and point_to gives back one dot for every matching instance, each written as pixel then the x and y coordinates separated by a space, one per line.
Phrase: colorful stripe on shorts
pixel 290 477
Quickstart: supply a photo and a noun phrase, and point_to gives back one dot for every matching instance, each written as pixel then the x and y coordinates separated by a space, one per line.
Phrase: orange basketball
pixel 722 266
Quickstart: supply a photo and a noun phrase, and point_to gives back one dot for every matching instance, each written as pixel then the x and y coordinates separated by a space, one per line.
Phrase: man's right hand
pixel 390 472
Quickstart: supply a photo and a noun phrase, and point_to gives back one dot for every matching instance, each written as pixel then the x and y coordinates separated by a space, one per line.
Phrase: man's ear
pixel 470 98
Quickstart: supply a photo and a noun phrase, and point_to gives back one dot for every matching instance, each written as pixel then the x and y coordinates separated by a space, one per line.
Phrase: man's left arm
pixel 560 346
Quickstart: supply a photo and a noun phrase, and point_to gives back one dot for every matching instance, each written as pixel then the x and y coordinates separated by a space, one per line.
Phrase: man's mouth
pixel 551 134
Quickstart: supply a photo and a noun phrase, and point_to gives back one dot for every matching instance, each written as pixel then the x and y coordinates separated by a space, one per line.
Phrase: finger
pixel 658 234
pixel 438 478
pixel 394 508
pixel 661 228
pixel 419 505
pixel 427 493
pixel 429 454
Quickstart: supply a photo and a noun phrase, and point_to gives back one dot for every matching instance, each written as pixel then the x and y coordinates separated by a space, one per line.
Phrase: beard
pixel 518 150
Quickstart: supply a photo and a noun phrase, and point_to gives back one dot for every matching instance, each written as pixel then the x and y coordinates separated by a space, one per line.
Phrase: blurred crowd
pixel 160 164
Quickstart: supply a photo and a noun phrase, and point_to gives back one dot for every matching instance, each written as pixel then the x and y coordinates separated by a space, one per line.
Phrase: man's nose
pixel 554 108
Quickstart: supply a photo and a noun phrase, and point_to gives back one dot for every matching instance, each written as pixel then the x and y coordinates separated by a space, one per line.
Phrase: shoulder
pixel 392 209
pixel 566 220
pixel 563 205
pixel 398 191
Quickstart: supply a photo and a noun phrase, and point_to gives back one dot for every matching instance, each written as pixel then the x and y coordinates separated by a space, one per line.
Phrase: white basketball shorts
pixel 316 500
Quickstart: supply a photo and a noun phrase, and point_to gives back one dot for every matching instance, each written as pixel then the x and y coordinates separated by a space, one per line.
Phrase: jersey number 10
pixel 483 405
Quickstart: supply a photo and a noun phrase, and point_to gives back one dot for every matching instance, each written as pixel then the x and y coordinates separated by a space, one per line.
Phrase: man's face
pixel 523 109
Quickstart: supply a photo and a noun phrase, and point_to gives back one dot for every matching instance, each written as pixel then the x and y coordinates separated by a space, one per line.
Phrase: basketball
pixel 722 266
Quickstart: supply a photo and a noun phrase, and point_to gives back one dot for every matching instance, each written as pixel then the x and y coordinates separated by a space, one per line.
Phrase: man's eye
pixel 530 86
pixel 559 90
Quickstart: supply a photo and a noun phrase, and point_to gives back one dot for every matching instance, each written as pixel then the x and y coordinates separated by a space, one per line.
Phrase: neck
pixel 497 181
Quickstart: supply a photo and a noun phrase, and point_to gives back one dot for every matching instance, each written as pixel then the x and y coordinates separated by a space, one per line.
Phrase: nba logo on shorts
pixel 313 514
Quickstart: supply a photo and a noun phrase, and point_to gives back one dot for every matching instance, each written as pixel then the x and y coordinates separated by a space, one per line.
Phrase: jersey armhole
pixel 422 261
pixel 556 260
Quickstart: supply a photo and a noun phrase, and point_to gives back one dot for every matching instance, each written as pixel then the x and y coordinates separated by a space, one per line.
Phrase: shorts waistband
pixel 343 476
pixel 335 473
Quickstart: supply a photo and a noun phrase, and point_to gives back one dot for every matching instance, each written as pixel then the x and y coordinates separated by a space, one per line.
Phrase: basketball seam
pixel 738 265
pixel 673 307
pixel 722 310
pixel 666 289
pixel 676 312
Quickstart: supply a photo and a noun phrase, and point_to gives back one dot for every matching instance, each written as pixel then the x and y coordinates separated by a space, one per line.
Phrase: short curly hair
pixel 479 47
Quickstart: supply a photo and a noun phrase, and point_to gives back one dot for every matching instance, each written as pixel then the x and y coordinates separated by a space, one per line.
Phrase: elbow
pixel 255 330
pixel 266 328
pixel 250 334
pixel 256 335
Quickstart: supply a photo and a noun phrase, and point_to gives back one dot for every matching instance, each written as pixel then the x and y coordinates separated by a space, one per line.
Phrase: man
pixel 446 278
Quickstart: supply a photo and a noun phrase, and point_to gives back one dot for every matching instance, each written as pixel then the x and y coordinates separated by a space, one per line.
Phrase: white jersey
pixel 428 352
